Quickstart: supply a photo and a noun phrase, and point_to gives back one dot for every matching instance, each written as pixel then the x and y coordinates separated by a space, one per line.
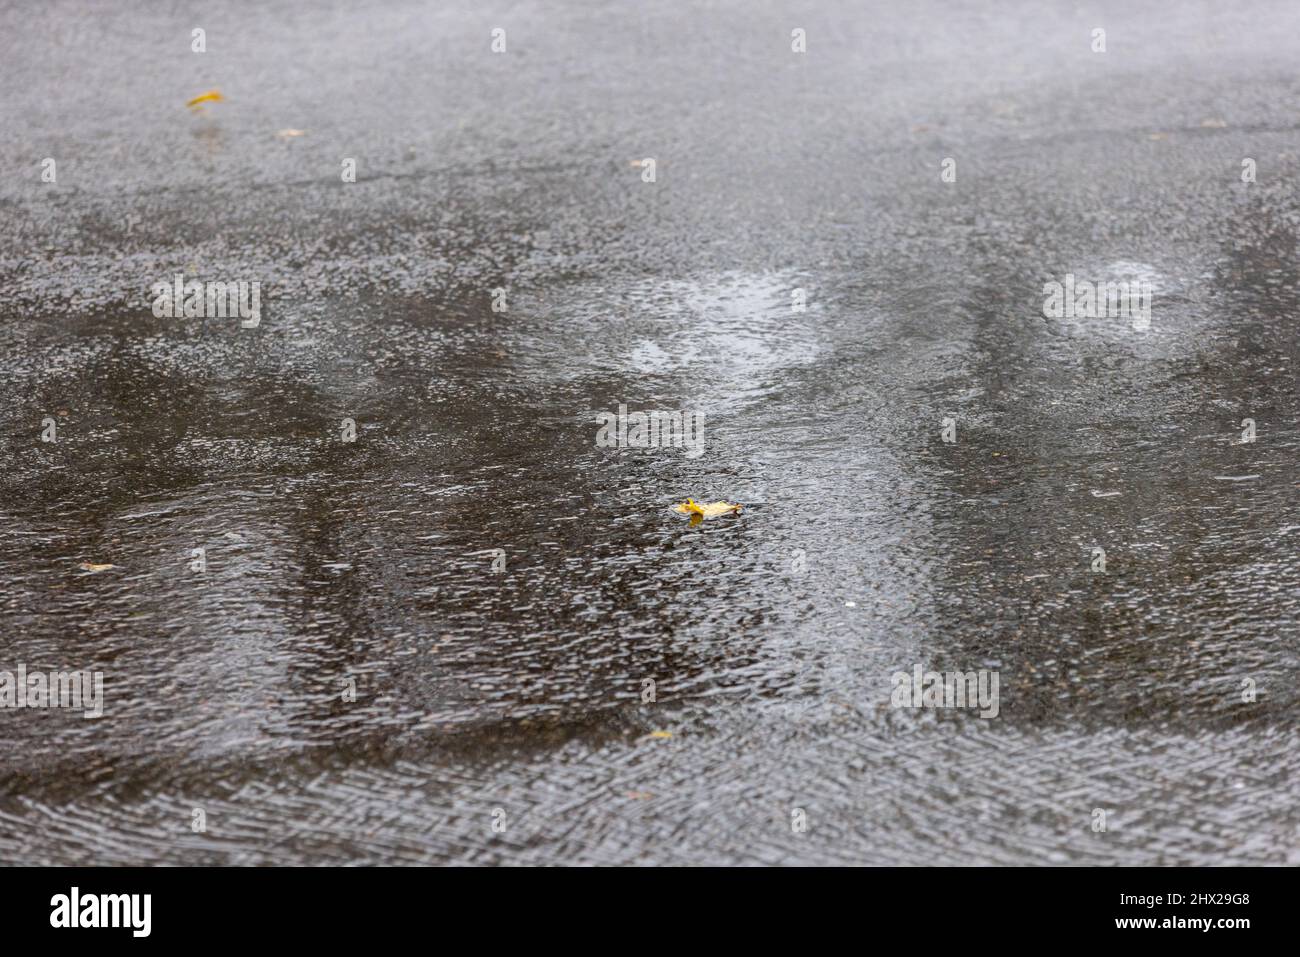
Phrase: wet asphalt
pixel 550 665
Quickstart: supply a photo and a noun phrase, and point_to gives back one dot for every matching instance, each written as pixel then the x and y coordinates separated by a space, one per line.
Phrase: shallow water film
pixel 374 547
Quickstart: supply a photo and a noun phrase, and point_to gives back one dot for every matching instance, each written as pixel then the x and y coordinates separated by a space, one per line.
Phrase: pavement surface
pixel 503 714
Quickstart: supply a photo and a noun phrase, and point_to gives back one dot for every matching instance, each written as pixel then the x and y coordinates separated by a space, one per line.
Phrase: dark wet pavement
pixel 867 544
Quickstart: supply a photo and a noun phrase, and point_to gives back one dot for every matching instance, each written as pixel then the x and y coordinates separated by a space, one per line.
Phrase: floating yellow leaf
pixel 212 96
pixel 699 512
pixel 290 134
pixel 661 734
pixel 92 567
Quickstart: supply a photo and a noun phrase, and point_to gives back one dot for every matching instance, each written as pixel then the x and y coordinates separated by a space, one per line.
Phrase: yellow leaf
pixel 696 510
pixel 212 96
pixel 92 567
pixel 661 734
pixel 289 134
